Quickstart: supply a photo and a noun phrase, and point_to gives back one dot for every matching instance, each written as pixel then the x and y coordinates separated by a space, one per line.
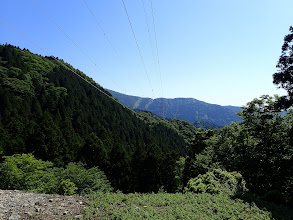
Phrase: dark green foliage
pixel 47 110
pixel 182 128
pixel 154 170
pixel 270 151
pixel 271 202
pixel 259 149
pixel 120 169
pixel 274 196
pixel 204 125
pixel 195 163
pixel 95 153
pixel 50 112
pixel 168 173
pixel 283 77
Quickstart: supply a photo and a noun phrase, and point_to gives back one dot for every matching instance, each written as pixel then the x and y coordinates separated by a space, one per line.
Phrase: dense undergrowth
pixel 215 195
pixel 171 206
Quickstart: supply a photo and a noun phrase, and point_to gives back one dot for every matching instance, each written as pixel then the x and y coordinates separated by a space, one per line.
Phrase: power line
pixel 72 70
pixel 105 35
pixel 155 32
pixel 138 47
pixel 74 43
pixel 149 34
pixel 145 14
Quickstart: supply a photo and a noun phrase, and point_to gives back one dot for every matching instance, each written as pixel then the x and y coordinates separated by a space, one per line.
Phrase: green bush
pixel 25 172
pixel 68 188
pixel 86 180
pixel 217 181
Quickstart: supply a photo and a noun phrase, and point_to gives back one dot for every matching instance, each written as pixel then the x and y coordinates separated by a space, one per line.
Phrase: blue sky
pixel 221 52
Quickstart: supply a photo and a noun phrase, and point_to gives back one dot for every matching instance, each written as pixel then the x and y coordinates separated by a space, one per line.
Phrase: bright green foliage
pixel 217 181
pixel 86 180
pixel 24 172
pixel 170 206
pixel 260 148
pixel 68 188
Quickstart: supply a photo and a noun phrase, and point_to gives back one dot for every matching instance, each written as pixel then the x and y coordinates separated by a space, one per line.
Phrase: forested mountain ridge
pixel 188 109
pixel 47 110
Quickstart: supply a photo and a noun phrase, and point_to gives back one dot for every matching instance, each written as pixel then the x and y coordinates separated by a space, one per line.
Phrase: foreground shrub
pixel 25 172
pixel 67 188
pixel 217 181
pixel 86 180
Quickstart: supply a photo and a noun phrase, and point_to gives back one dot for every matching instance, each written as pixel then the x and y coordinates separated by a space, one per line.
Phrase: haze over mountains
pixel 188 109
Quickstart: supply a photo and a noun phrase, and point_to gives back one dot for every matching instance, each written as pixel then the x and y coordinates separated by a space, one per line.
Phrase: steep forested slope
pixel 47 110
pixel 182 128
pixel 187 109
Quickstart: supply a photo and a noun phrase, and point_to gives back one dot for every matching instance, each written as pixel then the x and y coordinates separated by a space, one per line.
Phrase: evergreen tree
pixel 95 152
pixel 120 170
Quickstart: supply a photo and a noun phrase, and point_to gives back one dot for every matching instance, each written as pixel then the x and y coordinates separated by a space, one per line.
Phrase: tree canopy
pixel 284 76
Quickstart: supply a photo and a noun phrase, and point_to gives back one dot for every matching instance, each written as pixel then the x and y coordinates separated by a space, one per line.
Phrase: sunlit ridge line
pixel 111 97
pixel 97 66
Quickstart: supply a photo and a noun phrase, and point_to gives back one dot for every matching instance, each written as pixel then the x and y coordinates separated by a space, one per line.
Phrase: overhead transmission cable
pixel 149 34
pixel 71 69
pixel 160 73
pixel 75 43
pixel 105 35
pixel 155 32
pixel 146 72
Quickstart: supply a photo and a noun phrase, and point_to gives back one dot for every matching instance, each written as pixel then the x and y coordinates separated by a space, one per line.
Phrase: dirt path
pixel 16 205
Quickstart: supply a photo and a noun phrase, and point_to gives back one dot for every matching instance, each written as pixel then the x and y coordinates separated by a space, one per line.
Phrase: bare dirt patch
pixel 15 204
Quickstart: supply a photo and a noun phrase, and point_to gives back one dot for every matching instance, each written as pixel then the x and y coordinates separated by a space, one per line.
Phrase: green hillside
pixel 49 111
pixel 187 109
pixel 59 134
pixel 183 128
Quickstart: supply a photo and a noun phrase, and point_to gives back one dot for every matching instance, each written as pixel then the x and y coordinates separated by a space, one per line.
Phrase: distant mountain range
pixel 188 109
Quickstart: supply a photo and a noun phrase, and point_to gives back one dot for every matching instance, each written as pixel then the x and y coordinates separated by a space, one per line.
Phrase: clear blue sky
pixel 221 52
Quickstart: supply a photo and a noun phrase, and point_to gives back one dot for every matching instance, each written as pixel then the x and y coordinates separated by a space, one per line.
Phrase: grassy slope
pixel 170 206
